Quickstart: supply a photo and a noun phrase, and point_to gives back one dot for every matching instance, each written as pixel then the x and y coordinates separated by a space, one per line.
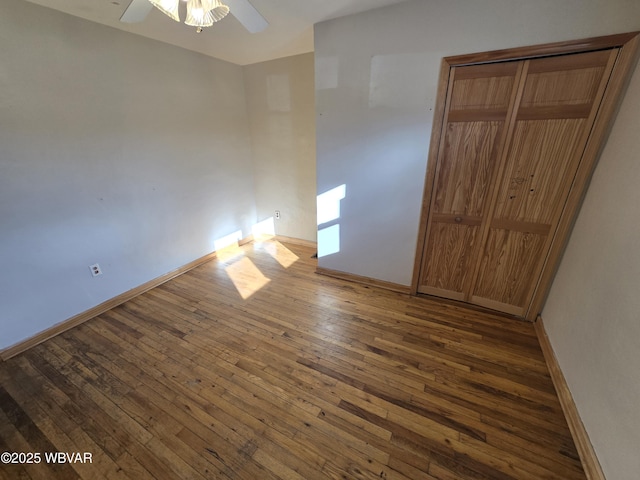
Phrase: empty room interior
pixel 346 239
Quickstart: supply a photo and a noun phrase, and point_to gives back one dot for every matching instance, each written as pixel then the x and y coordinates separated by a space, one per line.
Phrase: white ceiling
pixel 290 30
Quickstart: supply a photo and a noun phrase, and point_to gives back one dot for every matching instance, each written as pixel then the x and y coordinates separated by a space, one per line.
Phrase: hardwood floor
pixel 254 367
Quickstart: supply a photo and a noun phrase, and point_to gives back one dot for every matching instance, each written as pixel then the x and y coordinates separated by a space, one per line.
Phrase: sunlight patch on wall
pixel 246 277
pixel 329 240
pixel 228 240
pixel 328 204
pixel 264 230
pixel 227 247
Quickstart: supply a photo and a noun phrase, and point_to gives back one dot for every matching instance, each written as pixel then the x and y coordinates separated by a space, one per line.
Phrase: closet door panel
pixel 450 254
pixel 459 200
pixel 475 118
pixel 539 170
pixel 564 80
pixel 464 179
pixel 512 257
pixel 552 124
pixel 482 88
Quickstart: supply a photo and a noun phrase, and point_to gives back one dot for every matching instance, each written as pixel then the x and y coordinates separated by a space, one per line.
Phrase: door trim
pixel 628 43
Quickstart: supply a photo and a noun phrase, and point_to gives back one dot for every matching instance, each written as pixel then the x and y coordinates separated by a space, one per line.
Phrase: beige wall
pixel 280 100
pixel 114 149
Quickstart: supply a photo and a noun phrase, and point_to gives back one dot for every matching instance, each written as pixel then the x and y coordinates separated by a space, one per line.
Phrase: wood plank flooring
pixel 252 366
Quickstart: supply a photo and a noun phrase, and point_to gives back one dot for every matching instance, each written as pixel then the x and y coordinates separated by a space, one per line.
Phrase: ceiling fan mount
pixel 243 10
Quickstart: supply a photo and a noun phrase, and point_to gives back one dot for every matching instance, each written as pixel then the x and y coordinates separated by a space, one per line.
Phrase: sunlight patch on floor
pixel 228 247
pixel 228 253
pixel 246 277
pixel 244 274
pixel 280 253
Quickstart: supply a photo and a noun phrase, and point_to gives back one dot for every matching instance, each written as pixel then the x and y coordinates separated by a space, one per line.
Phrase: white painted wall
pixel 376 76
pixel 113 149
pixel 592 314
pixel 280 100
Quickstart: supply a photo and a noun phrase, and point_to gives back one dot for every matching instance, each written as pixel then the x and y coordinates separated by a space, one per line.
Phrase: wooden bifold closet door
pixel 510 147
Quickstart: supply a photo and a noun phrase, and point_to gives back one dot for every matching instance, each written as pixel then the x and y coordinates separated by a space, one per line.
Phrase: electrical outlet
pixel 95 269
pixel 277 214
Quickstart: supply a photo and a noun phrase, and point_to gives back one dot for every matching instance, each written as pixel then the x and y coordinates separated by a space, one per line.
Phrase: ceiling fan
pixel 246 13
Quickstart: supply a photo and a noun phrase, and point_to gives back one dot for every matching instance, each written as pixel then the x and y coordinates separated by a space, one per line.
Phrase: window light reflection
pixel 280 253
pixel 246 277
pixel 328 204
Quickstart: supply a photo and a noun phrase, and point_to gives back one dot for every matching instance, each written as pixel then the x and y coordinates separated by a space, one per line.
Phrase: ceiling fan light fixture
pixel 218 9
pixel 203 13
pixel 169 7
pixel 198 15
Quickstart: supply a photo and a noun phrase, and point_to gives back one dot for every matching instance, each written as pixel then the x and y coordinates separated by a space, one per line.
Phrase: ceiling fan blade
pixel 247 15
pixel 137 11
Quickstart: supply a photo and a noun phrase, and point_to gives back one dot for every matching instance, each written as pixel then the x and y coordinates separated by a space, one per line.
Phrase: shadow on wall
pixel 328 204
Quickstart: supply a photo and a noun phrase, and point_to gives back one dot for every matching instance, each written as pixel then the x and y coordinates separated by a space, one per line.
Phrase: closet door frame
pixel 628 44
